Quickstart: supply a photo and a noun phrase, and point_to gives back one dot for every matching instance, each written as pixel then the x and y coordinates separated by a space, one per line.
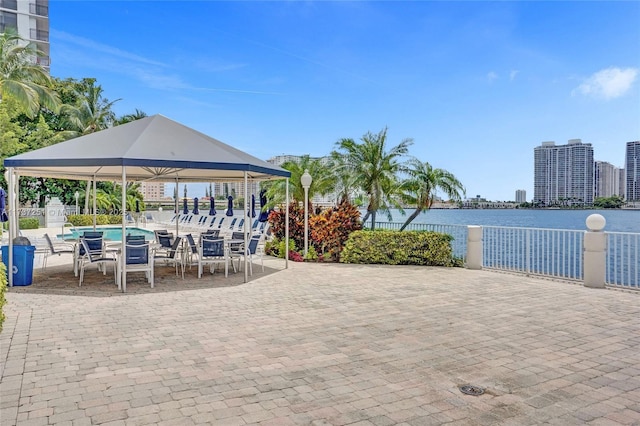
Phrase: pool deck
pixel 322 344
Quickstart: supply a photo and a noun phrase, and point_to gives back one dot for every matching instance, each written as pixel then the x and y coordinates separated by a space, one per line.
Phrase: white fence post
pixel 595 252
pixel 474 247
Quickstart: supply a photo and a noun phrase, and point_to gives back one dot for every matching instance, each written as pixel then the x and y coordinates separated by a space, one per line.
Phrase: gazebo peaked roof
pixel 152 148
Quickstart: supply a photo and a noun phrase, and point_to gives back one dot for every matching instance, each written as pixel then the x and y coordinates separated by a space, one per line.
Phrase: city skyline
pixel 477 85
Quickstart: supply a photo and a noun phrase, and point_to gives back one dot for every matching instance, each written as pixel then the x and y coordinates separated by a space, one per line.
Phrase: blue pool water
pixel 110 233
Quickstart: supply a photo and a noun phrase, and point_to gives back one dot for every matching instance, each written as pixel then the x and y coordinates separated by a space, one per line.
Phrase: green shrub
pixel 3 289
pixel 87 219
pixel 29 223
pixel 276 248
pixel 399 248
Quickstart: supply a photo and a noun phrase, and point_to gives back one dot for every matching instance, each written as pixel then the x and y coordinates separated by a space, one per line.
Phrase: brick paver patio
pixel 325 344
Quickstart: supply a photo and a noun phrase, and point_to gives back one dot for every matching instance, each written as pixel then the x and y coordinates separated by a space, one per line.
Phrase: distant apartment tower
pixel 521 196
pixel 632 171
pixel 563 173
pixel 235 189
pixel 607 179
pixel 31 20
pixel 152 191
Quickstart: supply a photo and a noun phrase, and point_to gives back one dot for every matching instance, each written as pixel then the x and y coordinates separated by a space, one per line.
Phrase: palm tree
pixel 23 79
pixel 423 182
pixel 375 169
pixel 346 185
pixel 322 182
pixel 128 118
pixel 91 114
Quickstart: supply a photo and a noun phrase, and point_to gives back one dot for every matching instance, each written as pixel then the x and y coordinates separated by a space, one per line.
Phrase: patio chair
pixel 171 256
pixel 164 240
pixel 138 258
pixel 135 238
pixel 212 232
pixel 158 232
pixel 191 252
pixel 211 251
pixel 59 248
pixel 252 250
pixel 91 255
pixel 95 243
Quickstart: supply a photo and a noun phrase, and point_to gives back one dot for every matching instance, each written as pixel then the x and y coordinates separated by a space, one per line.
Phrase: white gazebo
pixel 150 149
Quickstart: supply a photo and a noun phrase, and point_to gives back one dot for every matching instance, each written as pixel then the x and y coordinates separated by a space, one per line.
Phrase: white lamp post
pixel 77 195
pixel 306 180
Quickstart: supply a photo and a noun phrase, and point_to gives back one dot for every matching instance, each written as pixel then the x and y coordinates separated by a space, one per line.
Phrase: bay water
pixel 619 220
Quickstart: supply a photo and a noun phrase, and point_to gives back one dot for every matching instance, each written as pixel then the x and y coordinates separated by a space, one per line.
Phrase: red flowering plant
pixel 296 224
pixel 331 228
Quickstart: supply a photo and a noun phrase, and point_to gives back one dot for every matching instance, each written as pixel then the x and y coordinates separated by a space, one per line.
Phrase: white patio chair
pixel 139 257
pixel 212 251
pixel 91 256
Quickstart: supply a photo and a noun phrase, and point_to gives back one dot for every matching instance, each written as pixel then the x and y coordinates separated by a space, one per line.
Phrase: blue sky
pixel 477 85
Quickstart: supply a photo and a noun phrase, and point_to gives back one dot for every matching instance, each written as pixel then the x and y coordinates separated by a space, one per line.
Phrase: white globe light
pixel 596 222
pixel 306 179
pixel 160 209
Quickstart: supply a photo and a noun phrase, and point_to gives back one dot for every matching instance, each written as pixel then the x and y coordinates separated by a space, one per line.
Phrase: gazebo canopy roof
pixel 152 148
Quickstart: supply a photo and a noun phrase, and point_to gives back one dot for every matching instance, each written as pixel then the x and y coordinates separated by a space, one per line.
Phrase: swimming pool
pixel 110 233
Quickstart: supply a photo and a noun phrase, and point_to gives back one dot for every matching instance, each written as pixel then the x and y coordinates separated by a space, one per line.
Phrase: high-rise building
pixel 563 174
pixel 31 20
pixel 607 179
pixel 632 170
pixel 153 191
pixel 521 196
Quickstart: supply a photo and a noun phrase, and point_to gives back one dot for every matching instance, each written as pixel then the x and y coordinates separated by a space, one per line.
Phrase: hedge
pixel 3 289
pixel 87 219
pixel 399 248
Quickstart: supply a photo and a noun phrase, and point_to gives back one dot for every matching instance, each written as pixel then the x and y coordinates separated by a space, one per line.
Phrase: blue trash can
pixel 22 263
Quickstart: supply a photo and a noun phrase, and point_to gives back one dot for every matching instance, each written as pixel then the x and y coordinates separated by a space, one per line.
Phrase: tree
pixel 91 113
pixel 23 79
pixel 376 169
pixel 423 182
pixel 322 182
pixel 128 118
pixel 345 180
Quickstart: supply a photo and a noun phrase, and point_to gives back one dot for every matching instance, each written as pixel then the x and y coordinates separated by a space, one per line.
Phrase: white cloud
pixel 492 76
pixel 512 74
pixel 102 48
pixel 609 83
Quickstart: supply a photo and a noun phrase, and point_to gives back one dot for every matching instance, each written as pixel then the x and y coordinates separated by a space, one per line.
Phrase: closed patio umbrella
pixel 212 207
pixel 3 206
pixel 185 208
pixel 264 213
pixel 229 206
pixel 195 206
pixel 253 205
pixel 137 206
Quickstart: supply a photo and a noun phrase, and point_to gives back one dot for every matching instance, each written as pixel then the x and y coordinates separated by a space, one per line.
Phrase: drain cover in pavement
pixel 471 390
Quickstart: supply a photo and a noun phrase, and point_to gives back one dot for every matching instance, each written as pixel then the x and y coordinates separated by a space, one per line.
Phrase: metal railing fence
pixel 623 260
pixel 554 253
pixel 536 251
